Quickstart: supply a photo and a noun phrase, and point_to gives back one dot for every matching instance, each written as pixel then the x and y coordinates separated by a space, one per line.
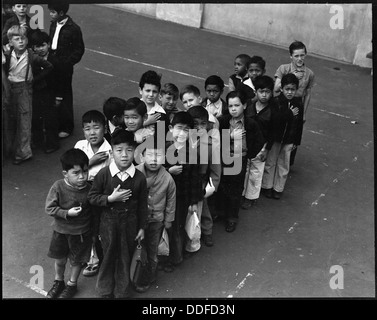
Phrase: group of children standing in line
pixel 122 184
pixel 136 172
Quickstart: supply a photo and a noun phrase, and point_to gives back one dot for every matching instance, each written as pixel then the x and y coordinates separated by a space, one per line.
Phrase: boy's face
pixel 56 16
pixel 133 120
pixel 168 101
pixel 149 93
pixel 189 100
pixel 201 125
pixel 254 71
pixel 180 132
pixel 93 133
pixel 123 154
pixel 20 9
pixel 19 42
pixel 76 176
pixel 298 57
pixel 289 91
pixel 42 50
pixel 239 67
pixel 236 107
pixel 264 95
pixel 213 92
pixel 153 159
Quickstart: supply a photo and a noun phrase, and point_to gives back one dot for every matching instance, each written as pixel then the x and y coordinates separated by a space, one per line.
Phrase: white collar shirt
pixel 18 67
pixel 122 175
pixel 59 25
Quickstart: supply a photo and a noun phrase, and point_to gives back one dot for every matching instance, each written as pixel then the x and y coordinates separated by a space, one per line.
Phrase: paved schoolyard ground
pixel 281 248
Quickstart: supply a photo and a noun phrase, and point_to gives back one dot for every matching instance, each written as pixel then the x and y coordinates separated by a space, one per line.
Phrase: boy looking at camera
pixel 68 204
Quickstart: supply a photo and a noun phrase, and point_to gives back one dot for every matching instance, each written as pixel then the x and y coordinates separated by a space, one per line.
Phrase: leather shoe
pixel 230 227
pixel 56 290
pixel 276 195
pixel 267 193
pixel 68 292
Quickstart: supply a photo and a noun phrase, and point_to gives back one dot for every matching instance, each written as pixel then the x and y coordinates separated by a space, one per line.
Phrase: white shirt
pixel 214 108
pixel 85 146
pixel 212 118
pixel 155 108
pixel 249 83
pixel 122 175
pixel 59 25
pixel 111 126
pixel 18 67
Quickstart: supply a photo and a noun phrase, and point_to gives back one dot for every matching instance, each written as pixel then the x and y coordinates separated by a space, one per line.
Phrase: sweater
pixel 161 195
pixel 63 197
pixel 104 185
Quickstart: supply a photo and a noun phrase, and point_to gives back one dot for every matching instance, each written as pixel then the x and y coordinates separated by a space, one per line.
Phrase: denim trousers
pixel 253 179
pixel 118 230
pixel 19 114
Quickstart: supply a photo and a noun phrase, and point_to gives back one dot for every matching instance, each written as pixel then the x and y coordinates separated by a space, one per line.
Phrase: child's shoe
pixel 247 204
pixel 207 239
pixel 56 290
pixel 68 292
pixel 267 192
pixel 168 267
pixel 276 195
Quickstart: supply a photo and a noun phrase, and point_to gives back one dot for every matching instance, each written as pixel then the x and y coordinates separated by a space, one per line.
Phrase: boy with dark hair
pixel 22 67
pixel 161 203
pixel 149 88
pixel 45 116
pixel 215 105
pixel 185 172
pixel 121 192
pixel 256 67
pixel 67 203
pixel 240 71
pixel 297 51
pixel 286 131
pixel 113 109
pixel 207 142
pixel 169 95
pixel 260 111
pixel 246 141
pixel 67 46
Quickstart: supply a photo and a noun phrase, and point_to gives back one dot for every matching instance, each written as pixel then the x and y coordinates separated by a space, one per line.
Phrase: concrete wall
pixel 278 24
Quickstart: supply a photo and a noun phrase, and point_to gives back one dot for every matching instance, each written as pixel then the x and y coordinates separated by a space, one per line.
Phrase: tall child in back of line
pixel 260 111
pixel 297 51
pixel 240 71
pixel 215 105
pixel 67 45
pixel 187 180
pixel 169 95
pixel 246 141
pixel 121 192
pixel 98 151
pixel 113 109
pixel 161 203
pixel 207 142
pixel 22 67
pixel 67 202
pixel 149 88
pixel 286 131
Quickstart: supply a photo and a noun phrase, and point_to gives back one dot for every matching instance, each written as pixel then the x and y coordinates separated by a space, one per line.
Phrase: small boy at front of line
pixel 286 131
pixel 215 105
pixel 169 95
pixel 240 72
pixel 189 192
pixel 113 109
pixel 20 68
pixel 246 141
pixel 67 202
pixel 297 51
pixel 161 203
pixel 121 192
pixel 260 111
pixel 98 151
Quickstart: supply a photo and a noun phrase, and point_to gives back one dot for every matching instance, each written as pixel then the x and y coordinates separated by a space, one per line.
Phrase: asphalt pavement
pixel 282 248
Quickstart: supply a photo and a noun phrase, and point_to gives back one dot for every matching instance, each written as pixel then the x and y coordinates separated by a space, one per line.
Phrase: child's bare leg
pixel 75 272
pixel 60 268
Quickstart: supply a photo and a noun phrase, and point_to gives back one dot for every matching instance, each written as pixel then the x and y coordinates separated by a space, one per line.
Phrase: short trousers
pixel 74 247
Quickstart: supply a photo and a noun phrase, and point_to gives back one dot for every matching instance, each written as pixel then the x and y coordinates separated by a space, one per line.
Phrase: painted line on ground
pixel 333 113
pixel 27 285
pixel 100 72
pixel 240 285
pixel 144 63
